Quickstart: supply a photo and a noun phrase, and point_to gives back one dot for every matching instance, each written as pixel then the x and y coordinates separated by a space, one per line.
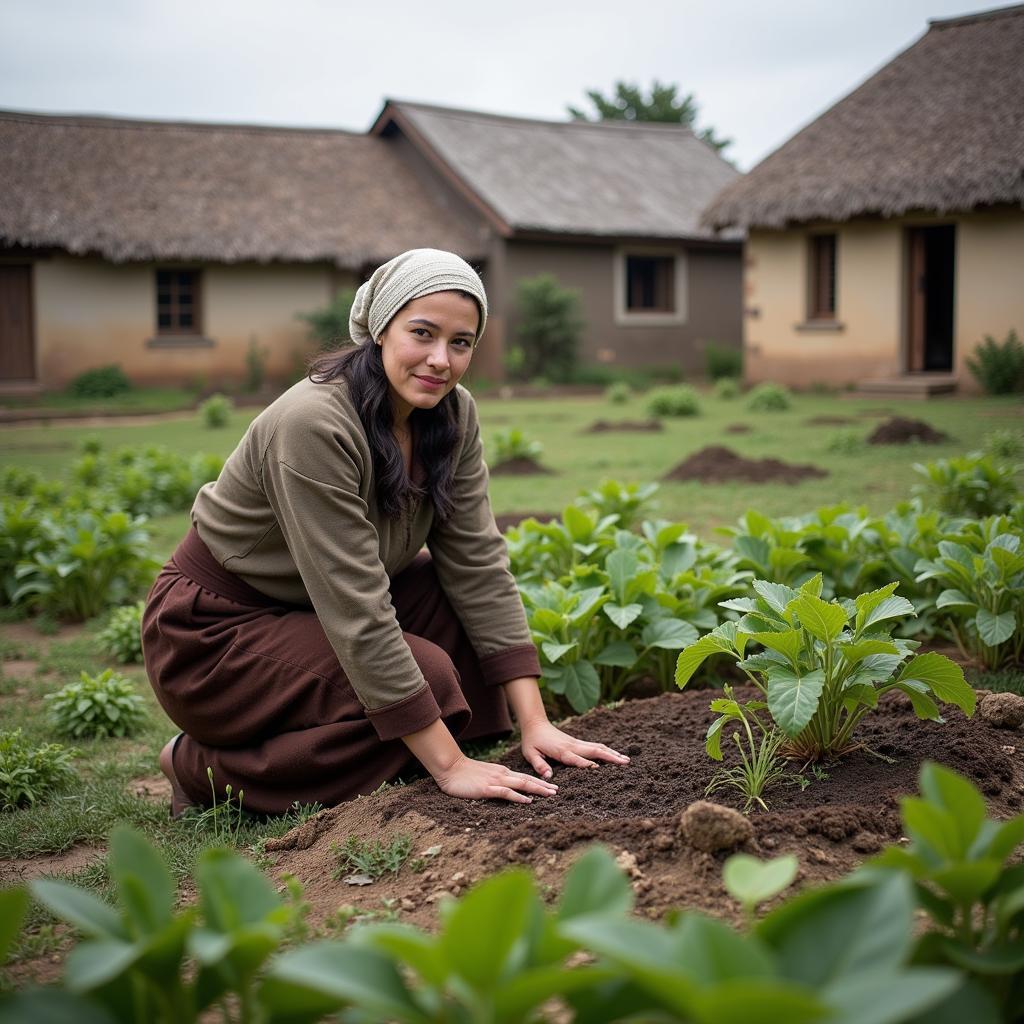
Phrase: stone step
pixel 910 385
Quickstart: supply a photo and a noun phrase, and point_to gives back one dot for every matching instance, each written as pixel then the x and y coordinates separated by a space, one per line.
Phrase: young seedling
pixel 371 858
pixel 751 882
pixel 760 762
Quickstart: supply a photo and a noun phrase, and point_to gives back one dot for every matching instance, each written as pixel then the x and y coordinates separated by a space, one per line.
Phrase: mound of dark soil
pixel 716 464
pixel 519 467
pixel 831 821
pixel 738 428
pixel 829 421
pixel 899 430
pixel 641 426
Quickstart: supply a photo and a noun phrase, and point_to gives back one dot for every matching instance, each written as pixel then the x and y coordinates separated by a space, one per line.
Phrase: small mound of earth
pixel 832 822
pixel 518 467
pixel 829 421
pixel 899 430
pixel 738 428
pixel 515 518
pixel 717 464
pixel 636 426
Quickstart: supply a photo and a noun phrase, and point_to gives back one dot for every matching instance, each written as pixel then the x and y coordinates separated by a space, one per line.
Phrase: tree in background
pixel 629 104
pixel 550 326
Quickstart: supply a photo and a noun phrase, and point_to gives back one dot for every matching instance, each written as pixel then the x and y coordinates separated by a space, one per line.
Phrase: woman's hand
pixel 475 780
pixel 542 740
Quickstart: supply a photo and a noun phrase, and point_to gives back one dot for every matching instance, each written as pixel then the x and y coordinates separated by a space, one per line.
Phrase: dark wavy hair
pixel 435 431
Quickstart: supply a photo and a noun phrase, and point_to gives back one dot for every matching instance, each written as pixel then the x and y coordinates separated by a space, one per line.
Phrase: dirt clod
pixel 716 463
pixel 900 430
pixel 631 426
pixel 712 827
pixel 1003 710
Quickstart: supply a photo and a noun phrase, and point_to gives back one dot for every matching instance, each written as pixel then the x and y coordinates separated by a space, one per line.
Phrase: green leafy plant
pixel 970 485
pixel 216 411
pixel 100 705
pixel 846 442
pixel 981 568
pixel 549 328
pixel 100 382
pixel 121 637
pixel 723 362
pixel 676 400
pixel 960 863
pixel 370 857
pixel 84 563
pixel 752 882
pixel 618 393
pixel 999 366
pixel 28 773
pixel 629 502
pixel 769 397
pixel 825 664
pixel 514 444
pixel 1004 445
pixel 761 764
pixel 726 388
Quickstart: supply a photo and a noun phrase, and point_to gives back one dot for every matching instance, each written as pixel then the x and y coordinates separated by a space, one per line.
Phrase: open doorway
pixel 931 280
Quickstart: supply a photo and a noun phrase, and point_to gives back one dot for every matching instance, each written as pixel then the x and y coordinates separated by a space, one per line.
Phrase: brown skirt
pixel 258 692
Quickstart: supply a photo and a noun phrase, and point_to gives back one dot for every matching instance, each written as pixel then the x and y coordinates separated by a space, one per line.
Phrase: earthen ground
pixel 718 464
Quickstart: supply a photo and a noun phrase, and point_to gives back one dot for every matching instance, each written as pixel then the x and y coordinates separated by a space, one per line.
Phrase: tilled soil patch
pixel 829 421
pixel 519 467
pixel 633 426
pixel 900 430
pixel 831 822
pixel 738 428
pixel 718 464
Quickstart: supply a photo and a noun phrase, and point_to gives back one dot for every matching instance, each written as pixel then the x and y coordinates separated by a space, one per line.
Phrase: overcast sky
pixel 759 71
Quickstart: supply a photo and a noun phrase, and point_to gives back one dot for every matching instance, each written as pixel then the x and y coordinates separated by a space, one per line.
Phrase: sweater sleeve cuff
pixel 410 714
pixel 511 663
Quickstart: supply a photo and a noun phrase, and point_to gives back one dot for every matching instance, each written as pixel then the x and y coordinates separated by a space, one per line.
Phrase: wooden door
pixel 17 344
pixel 916 282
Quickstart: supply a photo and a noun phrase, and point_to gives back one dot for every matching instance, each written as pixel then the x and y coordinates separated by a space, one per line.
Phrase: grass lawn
pixel 112 775
pixel 875 476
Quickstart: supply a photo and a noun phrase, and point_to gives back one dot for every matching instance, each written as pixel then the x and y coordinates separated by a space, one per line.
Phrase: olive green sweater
pixel 294 514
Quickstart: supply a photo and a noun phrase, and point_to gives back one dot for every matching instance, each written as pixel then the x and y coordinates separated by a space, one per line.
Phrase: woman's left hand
pixel 542 740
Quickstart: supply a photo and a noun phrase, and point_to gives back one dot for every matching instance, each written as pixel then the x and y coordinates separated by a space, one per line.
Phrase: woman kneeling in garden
pixel 299 636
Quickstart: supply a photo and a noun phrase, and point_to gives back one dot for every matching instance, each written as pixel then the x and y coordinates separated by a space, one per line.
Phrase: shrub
pixel 727 388
pixel 550 325
pixel 121 638
pixel 514 444
pixel 678 400
pixel 28 773
pixel 1004 444
pixel 825 664
pixel 618 393
pixel 102 705
pixel 972 485
pixel 216 411
pixel 722 361
pixel 328 326
pixel 768 397
pixel 101 382
pixel 999 366
pixel 255 367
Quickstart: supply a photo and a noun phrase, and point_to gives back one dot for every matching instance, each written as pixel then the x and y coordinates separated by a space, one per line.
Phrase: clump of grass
pixel 727 388
pixel 1004 444
pixel 103 705
pixel 372 858
pixel 846 442
pixel 28 773
pixel 618 393
pixel 216 411
pixel 769 397
pixel 121 638
pixel 513 444
pixel 679 400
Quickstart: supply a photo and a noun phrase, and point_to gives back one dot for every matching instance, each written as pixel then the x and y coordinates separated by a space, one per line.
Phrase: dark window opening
pixel 650 284
pixel 822 297
pixel 177 302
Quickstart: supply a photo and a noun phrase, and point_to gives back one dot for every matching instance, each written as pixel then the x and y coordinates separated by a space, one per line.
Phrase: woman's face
pixel 426 348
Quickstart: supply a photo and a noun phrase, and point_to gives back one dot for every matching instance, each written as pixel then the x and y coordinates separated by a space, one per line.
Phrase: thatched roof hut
pixel 940 128
pixel 143 190
pixel 611 179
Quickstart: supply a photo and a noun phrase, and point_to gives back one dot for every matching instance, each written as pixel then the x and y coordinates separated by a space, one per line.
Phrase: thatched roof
pixel 940 128
pixel 570 178
pixel 143 190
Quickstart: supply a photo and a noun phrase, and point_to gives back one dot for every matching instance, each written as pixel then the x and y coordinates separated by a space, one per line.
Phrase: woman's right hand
pixel 482 780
